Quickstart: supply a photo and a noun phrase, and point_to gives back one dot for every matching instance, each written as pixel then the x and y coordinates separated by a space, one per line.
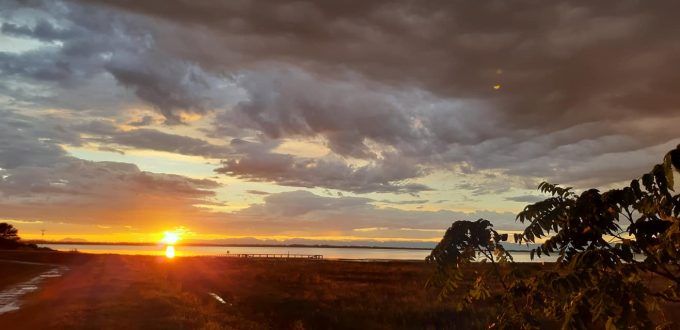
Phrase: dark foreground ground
pixel 143 292
pixel 12 273
pixel 140 292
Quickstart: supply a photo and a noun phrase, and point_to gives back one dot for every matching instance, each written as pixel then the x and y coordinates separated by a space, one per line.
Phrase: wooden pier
pixel 276 256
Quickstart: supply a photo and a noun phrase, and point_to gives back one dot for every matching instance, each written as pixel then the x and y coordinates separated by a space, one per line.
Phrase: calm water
pixel 328 253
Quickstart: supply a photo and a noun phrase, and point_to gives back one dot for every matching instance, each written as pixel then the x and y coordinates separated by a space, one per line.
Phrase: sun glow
pixel 169 251
pixel 170 237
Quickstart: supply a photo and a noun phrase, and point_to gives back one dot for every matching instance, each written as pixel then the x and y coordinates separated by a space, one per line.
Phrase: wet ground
pixel 11 297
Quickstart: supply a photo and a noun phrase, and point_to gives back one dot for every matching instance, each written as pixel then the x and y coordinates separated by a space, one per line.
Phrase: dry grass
pixel 140 292
pixel 126 292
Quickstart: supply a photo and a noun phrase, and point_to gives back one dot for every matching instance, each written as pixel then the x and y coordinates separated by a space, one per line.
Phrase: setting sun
pixel 170 237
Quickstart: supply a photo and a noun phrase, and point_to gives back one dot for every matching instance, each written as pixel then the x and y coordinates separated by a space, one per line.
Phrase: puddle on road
pixel 220 299
pixel 217 297
pixel 10 298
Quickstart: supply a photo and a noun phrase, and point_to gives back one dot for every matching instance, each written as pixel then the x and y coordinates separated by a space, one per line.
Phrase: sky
pixel 351 122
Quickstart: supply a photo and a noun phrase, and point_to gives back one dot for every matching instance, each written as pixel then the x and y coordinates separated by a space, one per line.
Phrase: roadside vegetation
pixel 618 264
pixel 10 240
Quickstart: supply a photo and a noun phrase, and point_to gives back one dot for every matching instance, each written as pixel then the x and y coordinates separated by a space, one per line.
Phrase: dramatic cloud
pixel 40 181
pixel 300 211
pixel 569 76
pixel 291 103
pixel 27 141
pixel 448 100
pixel 108 133
pixel 451 47
pixel 259 163
pixel 85 44
pixel 28 136
pixel 173 86
pixel 526 198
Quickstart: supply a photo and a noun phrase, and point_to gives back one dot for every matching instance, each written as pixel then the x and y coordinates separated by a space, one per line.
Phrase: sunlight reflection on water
pixel 169 251
pixel 328 253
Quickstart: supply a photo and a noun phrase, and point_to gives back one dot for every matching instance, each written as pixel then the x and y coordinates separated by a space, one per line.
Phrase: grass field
pixel 143 292
pixel 123 292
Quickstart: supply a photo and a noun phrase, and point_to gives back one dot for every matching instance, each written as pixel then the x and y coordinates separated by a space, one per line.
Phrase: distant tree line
pixel 618 259
pixel 9 238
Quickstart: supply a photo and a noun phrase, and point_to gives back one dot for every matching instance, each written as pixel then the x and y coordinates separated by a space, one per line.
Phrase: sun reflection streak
pixel 169 251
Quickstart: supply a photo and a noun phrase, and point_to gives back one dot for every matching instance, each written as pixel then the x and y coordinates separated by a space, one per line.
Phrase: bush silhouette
pixel 9 237
pixel 609 244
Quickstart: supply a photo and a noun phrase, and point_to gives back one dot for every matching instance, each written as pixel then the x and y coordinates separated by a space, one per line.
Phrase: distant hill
pixel 337 243
pixel 294 242
pixel 73 240
pixel 310 242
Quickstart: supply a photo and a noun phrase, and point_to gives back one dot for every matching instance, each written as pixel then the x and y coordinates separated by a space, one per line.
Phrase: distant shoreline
pixel 237 245
pixel 322 246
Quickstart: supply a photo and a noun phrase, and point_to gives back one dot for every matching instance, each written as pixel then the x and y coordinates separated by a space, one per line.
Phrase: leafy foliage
pixel 8 232
pixel 461 245
pixel 9 238
pixel 608 245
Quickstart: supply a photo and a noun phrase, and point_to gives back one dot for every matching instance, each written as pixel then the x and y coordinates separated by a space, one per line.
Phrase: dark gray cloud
pixel 173 86
pixel 89 44
pixel 257 162
pixel 581 84
pixel 108 133
pixel 32 137
pixel 299 203
pixel 247 160
pixel 571 76
pixel 156 140
pixel 484 188
pixel 453 48
pixel 42 30
pixel 406 202
pixel 352 216
pixel 525 198
pixel 144 121
pixel 27 141
pixel 257 192
pixel 289 103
